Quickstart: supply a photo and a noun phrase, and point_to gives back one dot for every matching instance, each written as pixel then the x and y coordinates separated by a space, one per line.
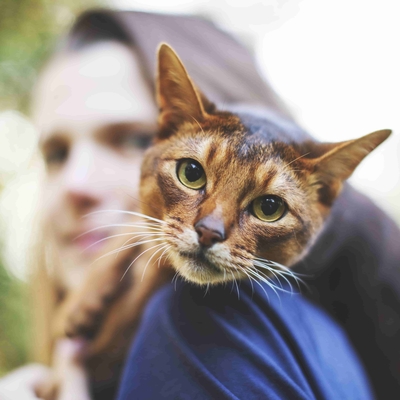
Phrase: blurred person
pixel 95 109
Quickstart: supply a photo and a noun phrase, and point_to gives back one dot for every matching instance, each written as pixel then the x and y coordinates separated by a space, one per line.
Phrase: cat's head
pixel 231 193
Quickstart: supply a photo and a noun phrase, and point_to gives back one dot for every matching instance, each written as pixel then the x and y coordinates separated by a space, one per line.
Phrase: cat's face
pixel 233 203
pixel 226 201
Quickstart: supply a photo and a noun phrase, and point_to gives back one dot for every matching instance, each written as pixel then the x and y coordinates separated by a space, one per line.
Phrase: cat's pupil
pixel 193 172
pixel 270 205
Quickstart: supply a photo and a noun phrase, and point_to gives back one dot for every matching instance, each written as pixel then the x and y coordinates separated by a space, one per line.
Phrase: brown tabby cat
pixel 230 196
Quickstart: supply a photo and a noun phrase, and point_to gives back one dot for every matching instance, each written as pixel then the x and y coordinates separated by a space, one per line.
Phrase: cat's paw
pixel 82 313
pixel 85 318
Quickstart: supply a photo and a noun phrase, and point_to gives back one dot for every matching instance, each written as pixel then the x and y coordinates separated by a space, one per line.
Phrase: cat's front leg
pixel 82 311
pixel 111 282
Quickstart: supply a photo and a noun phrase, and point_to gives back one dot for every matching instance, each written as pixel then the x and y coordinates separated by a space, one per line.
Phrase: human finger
pixel 21 384
pixel 72 376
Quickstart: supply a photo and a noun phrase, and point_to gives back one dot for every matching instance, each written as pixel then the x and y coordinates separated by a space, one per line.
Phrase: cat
pixel 237 197
pixel 225 195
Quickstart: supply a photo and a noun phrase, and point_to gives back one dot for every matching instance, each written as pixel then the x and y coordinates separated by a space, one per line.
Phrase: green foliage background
pixel 29 30
pixel 13 322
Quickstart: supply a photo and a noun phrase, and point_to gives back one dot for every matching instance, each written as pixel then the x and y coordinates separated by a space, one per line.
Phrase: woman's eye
pixel 268 208
pixel 56 155
pixel 132 140
pixel 191 174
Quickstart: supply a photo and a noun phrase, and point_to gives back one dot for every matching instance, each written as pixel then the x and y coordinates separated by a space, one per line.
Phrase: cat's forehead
pixel 232 151
pixel 266 127
pixel 241 138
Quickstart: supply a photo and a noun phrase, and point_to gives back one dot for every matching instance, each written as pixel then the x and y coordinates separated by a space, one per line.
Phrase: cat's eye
pixel 268 208
pixel 191 174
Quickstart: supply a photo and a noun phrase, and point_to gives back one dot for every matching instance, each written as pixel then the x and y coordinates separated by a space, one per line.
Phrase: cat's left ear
pixel 339 162
pixel 177 96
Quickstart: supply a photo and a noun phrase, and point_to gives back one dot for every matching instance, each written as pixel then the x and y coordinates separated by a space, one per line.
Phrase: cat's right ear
pixel 339 160
pixel 177 96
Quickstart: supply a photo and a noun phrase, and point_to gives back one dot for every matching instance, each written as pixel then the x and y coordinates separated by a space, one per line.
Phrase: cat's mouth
pixel 200 258
pixel 198 268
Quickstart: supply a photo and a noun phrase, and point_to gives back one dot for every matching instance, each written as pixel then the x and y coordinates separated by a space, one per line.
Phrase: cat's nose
pixel 210 231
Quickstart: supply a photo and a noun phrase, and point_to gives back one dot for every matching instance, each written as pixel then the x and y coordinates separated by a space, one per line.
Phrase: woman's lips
pixel 90 242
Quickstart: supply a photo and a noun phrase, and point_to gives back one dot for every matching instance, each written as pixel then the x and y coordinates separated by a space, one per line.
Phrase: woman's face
pixel 96 114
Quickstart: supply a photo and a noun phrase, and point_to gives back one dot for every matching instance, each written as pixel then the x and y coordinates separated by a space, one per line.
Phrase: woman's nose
pixel 81 183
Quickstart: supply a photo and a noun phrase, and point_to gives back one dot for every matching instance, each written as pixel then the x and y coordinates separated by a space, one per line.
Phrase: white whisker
pixel 132 245
pixel 197 123
pixel 257 274
pixel 274 272
pixel 143 236
pixel 148 261
pixel 261 286
pixel 298 158
pixel 295 237
pixel 143 252
pixel 283 267
pixel 236 284
pixel 283 270
pixel 250 279
pixel 207 288
pixel 271 282
pixel 137 214
pixel 154 228
pixel 125 248
pixel 175 279
pixel 167 247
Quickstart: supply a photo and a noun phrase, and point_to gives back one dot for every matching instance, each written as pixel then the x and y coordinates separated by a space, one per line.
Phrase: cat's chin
pixel 197 269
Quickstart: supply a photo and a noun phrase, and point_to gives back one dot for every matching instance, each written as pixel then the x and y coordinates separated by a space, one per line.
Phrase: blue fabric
pixel 193 345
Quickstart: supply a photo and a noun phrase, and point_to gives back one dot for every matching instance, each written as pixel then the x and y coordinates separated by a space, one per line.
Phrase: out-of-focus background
pixel 335 64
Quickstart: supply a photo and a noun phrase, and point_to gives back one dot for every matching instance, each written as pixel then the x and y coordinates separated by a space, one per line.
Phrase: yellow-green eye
pixel 191 174
pixel 268 208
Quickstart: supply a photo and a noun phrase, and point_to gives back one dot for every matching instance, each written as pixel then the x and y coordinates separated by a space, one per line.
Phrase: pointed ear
pixel 177 96
pixel 339 162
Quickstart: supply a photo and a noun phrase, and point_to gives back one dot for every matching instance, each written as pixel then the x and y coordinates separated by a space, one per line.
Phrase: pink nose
pixel 210 231
pixel 207 237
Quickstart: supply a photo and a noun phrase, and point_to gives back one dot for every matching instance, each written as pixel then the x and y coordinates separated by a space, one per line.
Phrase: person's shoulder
pixel 275 329
pixel 274 306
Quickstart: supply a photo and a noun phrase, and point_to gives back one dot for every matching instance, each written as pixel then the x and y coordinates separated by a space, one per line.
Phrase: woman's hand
pixel 35 381
pixel 70 373
pixel 22 383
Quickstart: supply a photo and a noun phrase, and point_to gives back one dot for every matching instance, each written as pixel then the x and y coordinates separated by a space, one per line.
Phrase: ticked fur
pixel 240 165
